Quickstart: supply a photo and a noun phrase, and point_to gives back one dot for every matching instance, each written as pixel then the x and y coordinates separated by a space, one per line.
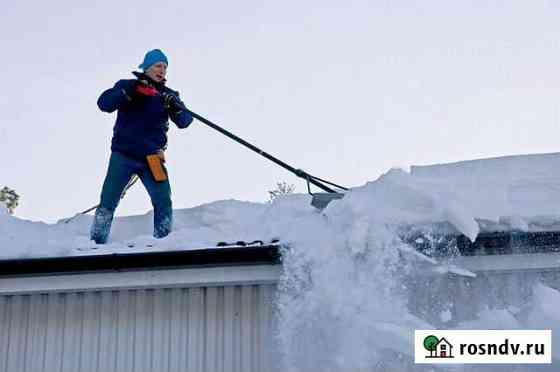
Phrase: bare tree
pixel 282 188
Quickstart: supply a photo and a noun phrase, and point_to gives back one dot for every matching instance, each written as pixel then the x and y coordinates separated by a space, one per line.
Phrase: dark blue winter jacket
pixel 142 121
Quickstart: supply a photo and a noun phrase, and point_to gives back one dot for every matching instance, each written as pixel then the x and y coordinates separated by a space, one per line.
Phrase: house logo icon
pixel 438 347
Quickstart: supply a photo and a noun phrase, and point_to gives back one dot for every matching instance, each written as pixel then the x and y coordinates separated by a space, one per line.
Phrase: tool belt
pixel 155 162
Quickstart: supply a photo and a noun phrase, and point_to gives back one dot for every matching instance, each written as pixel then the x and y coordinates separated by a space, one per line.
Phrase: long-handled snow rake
pixel 320 200
pixel 130 183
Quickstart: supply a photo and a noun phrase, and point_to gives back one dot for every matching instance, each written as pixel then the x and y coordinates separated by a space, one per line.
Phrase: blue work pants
pixel 121 169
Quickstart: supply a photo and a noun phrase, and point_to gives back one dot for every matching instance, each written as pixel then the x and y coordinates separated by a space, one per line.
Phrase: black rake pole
pixel 130 183
pixel 298 172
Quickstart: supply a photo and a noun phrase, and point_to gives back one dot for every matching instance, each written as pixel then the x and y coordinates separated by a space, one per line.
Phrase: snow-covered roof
pixel 518 193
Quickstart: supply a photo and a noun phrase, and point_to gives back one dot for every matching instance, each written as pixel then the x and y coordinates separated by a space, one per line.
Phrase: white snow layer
pixel 342 303
pixel 517 192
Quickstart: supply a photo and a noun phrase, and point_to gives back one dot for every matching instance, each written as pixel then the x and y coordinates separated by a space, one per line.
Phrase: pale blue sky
pixel 344 90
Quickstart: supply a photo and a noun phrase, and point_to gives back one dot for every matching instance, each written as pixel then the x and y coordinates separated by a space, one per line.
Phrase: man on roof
pixel 144 106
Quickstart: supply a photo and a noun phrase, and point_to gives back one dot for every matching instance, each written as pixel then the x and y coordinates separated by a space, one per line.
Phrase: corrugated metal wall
pixel 178 329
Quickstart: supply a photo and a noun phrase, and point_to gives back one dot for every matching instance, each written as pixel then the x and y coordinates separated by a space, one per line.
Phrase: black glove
pixel 130 91
pixel 173 103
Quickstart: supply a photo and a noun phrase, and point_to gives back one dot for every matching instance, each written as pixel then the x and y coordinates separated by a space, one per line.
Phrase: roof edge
pixel 210 257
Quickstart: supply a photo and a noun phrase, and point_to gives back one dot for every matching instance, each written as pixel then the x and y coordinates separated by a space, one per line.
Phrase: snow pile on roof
pixel 517 192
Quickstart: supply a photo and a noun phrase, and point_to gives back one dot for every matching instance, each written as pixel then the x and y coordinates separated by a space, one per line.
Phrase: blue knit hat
pixel 153 57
